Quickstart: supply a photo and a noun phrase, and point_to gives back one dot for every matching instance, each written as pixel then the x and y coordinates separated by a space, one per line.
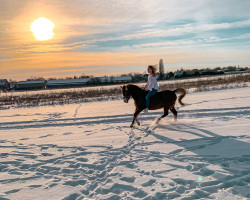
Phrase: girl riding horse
pixel 165 99
pixel 152 85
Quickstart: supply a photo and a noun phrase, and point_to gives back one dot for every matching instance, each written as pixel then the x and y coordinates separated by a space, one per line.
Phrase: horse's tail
pixel 182 93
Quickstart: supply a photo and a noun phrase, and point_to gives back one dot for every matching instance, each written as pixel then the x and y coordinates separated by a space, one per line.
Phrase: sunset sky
pixel 110 37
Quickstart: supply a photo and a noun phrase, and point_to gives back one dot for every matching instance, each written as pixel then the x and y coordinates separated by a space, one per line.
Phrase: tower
pixel 161 69
pixel 161 66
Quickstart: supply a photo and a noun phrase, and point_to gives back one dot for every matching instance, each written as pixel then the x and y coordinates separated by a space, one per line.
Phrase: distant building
pixel 66 83
pixel 161 66
pixel 4 85
pixel 79 82
pixel 122 79
pixel 115 79
pixel 63 83
pixel 30 85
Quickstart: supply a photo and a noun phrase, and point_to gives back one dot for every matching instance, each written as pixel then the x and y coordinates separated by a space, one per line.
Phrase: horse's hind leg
pixel 174 113
pixel 137 122
pixel 164 115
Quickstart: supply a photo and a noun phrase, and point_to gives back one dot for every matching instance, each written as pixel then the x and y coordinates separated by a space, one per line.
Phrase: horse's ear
pixel 123 87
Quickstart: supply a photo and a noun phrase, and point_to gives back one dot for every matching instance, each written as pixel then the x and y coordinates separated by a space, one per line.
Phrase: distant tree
pixel 184 74
pixel 84 76
pixel 196 73
pixel 161 76
pixel 231 68
pixel 137 77
pixel 12 80
pixel 217 68
pixel 33 78
pixel 170 75
pixel 54 78
pixel 95 81
pixel 126 74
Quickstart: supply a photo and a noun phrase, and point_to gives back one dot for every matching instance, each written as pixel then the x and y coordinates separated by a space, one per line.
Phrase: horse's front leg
pixel 135 118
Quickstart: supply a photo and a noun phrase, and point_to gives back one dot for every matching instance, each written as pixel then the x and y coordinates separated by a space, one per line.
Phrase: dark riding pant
pixel 149 95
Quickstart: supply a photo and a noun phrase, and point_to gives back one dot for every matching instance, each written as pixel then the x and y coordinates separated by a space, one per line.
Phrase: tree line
pixel 139 77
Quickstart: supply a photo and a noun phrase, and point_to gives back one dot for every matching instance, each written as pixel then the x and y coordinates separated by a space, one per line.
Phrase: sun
pixel 42 28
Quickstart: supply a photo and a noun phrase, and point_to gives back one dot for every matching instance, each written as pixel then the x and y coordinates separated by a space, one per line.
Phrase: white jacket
pixel 152 83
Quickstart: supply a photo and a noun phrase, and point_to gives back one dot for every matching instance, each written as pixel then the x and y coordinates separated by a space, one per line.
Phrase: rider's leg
pixel 149 95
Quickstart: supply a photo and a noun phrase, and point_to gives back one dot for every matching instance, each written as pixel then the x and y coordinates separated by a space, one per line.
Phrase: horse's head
pixel 125 93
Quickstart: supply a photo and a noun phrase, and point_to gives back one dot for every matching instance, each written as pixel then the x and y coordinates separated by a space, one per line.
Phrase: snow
pixel 88 150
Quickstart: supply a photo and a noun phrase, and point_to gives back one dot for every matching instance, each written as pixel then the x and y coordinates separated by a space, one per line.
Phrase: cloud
pixel 99 36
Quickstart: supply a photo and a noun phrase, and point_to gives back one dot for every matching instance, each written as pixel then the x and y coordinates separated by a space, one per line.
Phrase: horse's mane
pixel 135 87
pixel 136 90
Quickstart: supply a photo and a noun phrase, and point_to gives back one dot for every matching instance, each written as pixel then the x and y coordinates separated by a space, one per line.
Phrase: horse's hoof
pixel 131 126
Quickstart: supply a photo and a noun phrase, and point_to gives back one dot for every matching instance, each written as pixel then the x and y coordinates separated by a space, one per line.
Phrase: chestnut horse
pixel 165 99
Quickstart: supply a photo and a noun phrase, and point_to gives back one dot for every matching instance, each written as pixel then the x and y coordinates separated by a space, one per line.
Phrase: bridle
pixel 125 94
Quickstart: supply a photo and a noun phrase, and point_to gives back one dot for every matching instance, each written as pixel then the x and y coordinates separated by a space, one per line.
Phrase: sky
pixel 112 37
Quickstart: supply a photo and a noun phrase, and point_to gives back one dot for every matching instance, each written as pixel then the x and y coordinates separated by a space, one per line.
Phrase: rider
pixel 152 85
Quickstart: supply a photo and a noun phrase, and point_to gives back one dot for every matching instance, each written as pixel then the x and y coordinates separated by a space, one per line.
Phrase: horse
pixel 165 99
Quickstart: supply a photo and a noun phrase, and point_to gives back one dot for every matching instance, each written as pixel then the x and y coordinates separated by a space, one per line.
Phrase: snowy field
pixel 88 150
